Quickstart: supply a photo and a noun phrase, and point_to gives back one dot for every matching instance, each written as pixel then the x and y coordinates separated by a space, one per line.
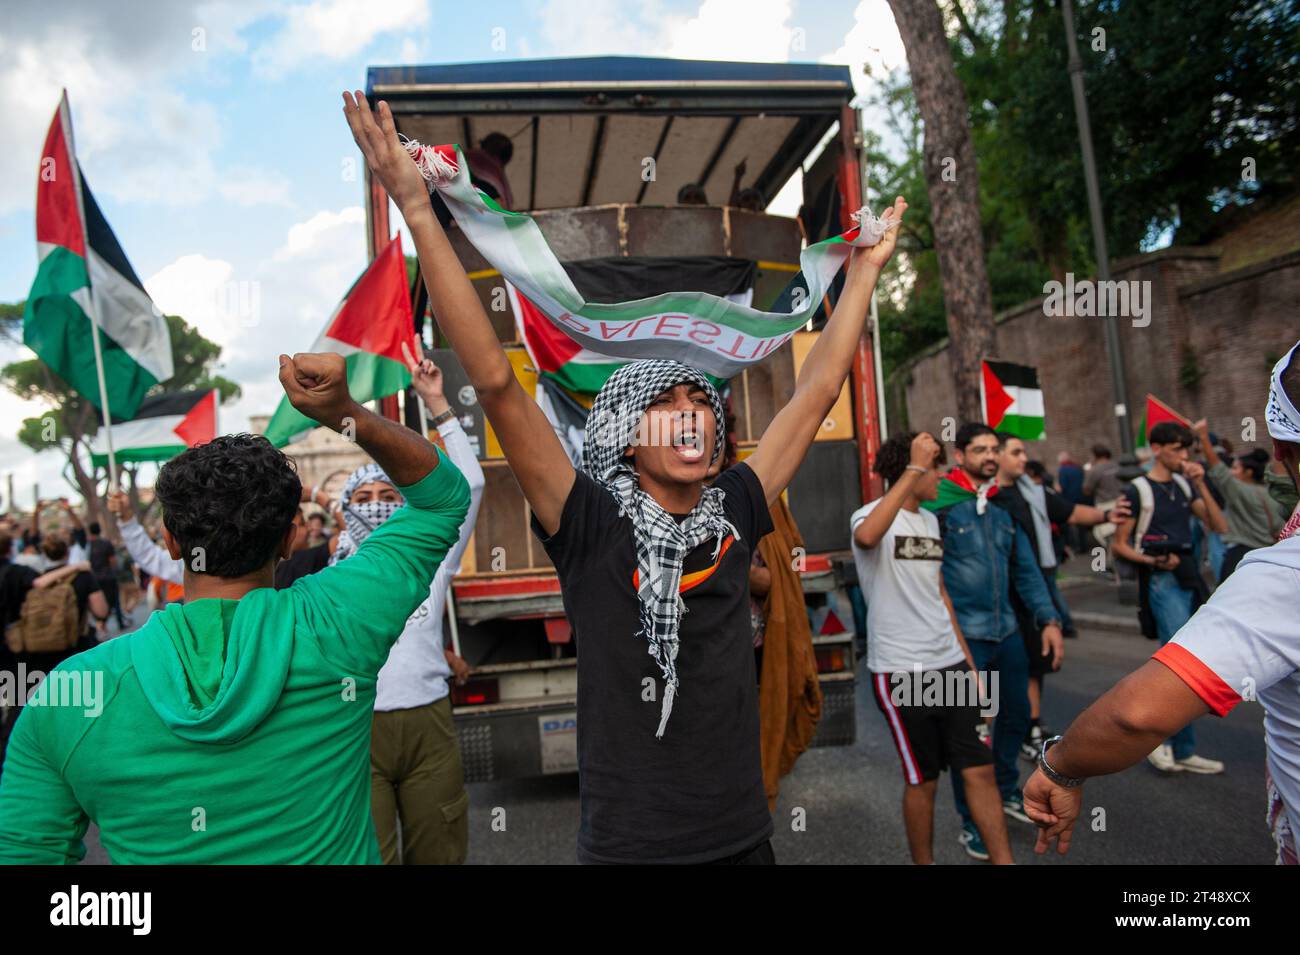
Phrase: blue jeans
pixel 1011 724
pixel 1171 605
pixel 1217 548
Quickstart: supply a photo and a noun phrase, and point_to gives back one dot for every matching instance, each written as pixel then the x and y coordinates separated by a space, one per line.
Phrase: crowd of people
pixel 289 701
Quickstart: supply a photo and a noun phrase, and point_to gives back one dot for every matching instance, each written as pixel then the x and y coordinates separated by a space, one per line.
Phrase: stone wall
pixel 1212 338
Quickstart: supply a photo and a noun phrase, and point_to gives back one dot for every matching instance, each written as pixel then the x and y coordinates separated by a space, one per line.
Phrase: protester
pixel 984 551
pixel 1254 519
pixel 317 532
pixel 236 727
pixel 912 630
pixel 103 564
pixel 57 625
pixel 669 768
pixel 416 777
pixel 487 165
pixel 1157 537
pixel 148 555
pixel 1036 509
pixel 1243 643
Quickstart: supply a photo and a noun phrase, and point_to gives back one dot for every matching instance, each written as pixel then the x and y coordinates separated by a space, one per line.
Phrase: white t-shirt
pixel 416 672
pixel 907 621
pixel 1244 643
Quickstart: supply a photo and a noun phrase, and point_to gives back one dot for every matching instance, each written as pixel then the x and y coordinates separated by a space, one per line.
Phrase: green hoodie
pixel 228 731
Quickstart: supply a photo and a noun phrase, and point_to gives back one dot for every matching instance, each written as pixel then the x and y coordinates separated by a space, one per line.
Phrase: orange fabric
pixel 695 577
pixel 1202 681
pixel 789 696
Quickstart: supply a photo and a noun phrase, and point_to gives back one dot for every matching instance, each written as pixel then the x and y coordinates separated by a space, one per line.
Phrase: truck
pixel 644 175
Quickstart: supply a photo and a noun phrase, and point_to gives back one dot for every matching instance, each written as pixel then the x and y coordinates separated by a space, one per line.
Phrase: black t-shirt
pixel 301 564
pixel 15 581
pixel 101 554
pixel 696 794
pixel 1012 500
pixel 1171 516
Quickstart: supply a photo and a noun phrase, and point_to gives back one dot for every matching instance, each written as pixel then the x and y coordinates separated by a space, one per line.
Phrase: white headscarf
pixel 1282 417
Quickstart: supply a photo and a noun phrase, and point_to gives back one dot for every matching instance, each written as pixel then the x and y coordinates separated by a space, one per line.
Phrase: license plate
pixel 558 733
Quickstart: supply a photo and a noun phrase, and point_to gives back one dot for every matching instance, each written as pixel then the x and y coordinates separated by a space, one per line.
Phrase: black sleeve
pixel 1058 509
pixel 584 523
pixel 745 502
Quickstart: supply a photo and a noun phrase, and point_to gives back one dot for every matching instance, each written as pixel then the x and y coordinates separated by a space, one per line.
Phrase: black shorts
pixel 931 738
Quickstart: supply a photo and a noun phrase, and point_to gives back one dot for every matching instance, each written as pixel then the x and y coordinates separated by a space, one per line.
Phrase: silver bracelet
pixel 1069 782
pixel 915 467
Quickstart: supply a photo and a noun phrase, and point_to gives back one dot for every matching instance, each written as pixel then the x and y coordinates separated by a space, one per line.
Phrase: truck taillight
pixel 476 693
pixel 832 659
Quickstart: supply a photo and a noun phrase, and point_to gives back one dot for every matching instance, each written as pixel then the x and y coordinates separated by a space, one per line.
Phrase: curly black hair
pixel 896 454
pixel 234 497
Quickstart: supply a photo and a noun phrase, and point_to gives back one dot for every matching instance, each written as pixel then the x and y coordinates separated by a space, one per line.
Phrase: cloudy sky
pixel 212 135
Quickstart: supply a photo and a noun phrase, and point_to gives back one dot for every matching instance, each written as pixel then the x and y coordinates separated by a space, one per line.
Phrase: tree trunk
pixel 953 184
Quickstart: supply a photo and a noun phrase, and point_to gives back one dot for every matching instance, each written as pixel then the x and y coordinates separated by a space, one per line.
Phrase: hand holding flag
pixel 388 160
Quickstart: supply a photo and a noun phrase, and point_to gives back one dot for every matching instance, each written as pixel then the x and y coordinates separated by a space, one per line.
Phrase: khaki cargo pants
pixel 416 778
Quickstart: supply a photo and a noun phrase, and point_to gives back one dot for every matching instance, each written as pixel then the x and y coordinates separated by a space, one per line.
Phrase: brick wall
pixel 1227 326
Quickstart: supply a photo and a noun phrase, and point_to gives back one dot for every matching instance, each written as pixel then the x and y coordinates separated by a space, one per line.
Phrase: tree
pixel 72 421
pixel 952 180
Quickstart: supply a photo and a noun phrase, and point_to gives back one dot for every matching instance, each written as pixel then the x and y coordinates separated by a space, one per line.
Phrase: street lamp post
pixel 1119 386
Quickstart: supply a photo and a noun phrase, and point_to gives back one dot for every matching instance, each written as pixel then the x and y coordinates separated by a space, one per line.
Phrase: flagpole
pixel 65 110
pixel 103 399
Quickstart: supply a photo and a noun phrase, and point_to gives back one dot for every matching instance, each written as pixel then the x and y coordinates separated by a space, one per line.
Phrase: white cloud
pixel 199 290
pixel 872 42
pixel 747 30
pixel 334 29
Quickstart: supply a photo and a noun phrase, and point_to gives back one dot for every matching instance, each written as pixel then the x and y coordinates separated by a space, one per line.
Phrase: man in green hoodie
pixel 235 728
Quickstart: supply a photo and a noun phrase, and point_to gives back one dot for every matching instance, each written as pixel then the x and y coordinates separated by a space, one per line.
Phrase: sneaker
pixel 1029 749
pixel 970 841
pixel 1162 758
pixel 1199 764
pixel 1014 807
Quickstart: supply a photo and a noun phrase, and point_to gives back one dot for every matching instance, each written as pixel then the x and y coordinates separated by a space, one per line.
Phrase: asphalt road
pixel 851 795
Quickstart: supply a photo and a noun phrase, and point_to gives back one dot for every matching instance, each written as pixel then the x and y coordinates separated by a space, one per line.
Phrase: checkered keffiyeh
pixel 661 543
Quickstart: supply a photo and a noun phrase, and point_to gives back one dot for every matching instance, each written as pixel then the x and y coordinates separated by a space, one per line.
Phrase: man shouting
pixel 653 565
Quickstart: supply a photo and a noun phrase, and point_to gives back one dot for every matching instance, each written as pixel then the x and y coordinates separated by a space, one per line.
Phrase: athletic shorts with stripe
pixel 931 738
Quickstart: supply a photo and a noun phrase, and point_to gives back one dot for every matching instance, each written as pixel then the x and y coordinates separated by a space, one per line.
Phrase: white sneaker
pixel 1162 758
pixel 1199 764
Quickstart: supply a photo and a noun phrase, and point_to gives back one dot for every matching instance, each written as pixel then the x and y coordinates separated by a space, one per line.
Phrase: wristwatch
pixel 1069 782
pixel 442 416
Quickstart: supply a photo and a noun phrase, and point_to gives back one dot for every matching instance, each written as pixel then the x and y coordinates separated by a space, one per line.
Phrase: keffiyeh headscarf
pixel 661 543
pixel 1282 416
pixel 360 519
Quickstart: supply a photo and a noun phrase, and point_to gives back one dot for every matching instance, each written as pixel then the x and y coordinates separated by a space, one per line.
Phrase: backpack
pixel 49 621
pixel 1147 505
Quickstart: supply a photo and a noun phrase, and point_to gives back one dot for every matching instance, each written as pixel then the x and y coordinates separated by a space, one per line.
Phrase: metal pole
pixel 103 399
pixel 1119 385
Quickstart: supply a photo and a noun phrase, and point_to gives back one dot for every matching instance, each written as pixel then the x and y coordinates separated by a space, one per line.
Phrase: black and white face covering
pixel 661 543
pixel 362 518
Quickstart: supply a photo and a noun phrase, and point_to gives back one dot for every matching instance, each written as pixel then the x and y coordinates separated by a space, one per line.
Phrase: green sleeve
pixel 358 608
pixel 41 822
pixel 1233 491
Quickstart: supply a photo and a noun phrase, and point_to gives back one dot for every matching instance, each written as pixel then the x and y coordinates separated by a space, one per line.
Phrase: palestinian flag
pixel 702 329
pixel 1155 412
pixel 559 358
pixel 1012 399
pixel 367 329
pixel 955 487
pixel 164 426
pixel 84 278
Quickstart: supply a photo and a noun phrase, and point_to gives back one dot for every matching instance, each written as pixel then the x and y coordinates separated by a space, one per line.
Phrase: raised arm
pixel 152 558
pixel 872 528
pixel 785 442
pixel 357 608
pixel 536 455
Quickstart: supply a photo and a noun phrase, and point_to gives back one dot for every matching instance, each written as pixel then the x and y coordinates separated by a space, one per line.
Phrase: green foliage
pixel 1184 97
pixel 71 418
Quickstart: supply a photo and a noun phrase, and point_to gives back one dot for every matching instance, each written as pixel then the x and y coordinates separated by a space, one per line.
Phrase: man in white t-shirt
pixel 1241 645
pixel 921 670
